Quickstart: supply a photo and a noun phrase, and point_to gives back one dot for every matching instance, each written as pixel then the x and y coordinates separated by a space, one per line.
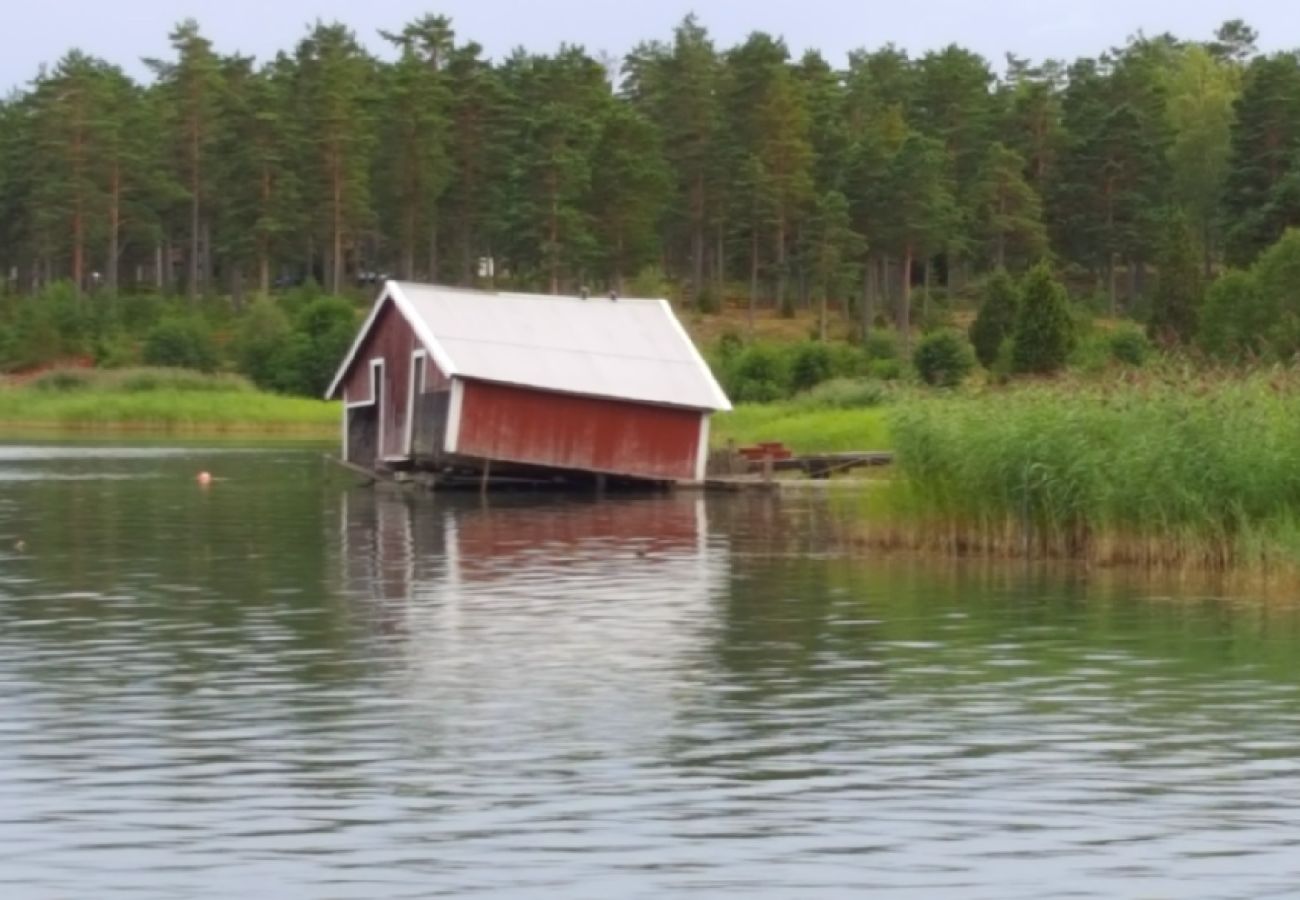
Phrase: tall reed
pixel 1174 470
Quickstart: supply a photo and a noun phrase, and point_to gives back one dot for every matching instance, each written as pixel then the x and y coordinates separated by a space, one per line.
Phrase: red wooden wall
pixel 521 425
pixel 392 339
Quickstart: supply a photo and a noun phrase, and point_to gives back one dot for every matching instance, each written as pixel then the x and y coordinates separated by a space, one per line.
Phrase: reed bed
pixel 1172 471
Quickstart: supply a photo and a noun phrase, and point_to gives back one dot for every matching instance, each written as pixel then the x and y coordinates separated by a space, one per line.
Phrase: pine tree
pixel 996 320
pixel 1044 334
pixel 919 212
pixel 786 157
pixel 335 94
pixel 414 165
pixel 1007 212
pixel 1265 142
pixel 1202 91
pixel 1180 288
pixel 835 247
pixel 191 88
pixel 630 181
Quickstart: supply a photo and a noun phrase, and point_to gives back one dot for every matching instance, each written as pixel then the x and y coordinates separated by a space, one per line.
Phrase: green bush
pixel 1129 346
pixel 999 306
pixel 881 344
pixel 810 365
pixel 1091 353
pixel 59 381
pixel 115 350
pixel 885 369
pixel 758 375
pixel 944 358
pixel 845 393
pixel 259 343
pixel 1045 330
pixel 182 343
pixel 1235 319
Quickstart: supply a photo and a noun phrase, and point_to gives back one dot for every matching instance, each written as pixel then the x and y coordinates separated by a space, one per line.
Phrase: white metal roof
pixel 624 349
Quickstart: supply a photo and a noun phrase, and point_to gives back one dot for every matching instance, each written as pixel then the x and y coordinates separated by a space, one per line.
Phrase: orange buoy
pixel 205 478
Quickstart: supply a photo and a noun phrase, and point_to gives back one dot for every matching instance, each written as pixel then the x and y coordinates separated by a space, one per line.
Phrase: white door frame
pixel 418 364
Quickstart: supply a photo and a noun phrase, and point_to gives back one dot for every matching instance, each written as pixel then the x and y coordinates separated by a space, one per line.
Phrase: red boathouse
pixel 448 378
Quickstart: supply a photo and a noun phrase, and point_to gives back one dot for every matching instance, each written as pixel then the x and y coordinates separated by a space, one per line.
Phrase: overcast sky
pixel 124 31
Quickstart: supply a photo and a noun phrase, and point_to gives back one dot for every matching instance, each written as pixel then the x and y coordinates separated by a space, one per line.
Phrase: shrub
pixel 183 343
pixel 999 306
pixel 259 343
pixel 944 358
pixel 1091 354
pixel 707 300
pixel 881 344
pixel 60 381
pixel 1045 332
pixel 650 282
pixel 845 393
pixel 885 369
pixel 758 376
pixel 1129 346
pixel 1235 319
pixel 810 365
pixel 115 350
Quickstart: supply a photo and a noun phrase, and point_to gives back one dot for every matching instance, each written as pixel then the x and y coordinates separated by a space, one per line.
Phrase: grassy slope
pixel 167 410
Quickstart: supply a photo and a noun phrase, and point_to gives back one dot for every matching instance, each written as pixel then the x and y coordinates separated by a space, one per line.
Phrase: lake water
pixel 284 686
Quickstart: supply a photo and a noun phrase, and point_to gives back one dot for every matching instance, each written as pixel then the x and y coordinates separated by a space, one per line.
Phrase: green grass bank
pixel 160 401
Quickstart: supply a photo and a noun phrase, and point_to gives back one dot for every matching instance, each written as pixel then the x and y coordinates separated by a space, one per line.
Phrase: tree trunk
pixel 925 294
pixel 821 314
pixel 207 279
pixel 158 279
pixel 720 265
pixel 192 287
pixel 1112 273
pixel 868 295
pixel 783 302
pixel 237 285
pixel 433 250
pixel 336 247
pixel 905 303
pixel 263 273
pixel 753 279
pixel 114 231
pixel 408 246
pixel 553 235
pixel 697 237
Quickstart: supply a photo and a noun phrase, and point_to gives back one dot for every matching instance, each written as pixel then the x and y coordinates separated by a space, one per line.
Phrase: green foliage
pixel 259 342
pixel 1045 331
pixel 882 345
pixel 181 342
pixel 996 320
pixel 1129 346
pixel 845 393
pixel 810 365
pixel 1203 466
pixel 650 281
pixel 1180 288
pixel 759 375
pixel 885 369
pixel 1233 321
pixel 136 381
pixel 944 358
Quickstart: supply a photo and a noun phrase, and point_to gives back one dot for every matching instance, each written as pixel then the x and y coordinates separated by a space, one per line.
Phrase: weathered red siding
pixel 392 339
pixel 521 425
